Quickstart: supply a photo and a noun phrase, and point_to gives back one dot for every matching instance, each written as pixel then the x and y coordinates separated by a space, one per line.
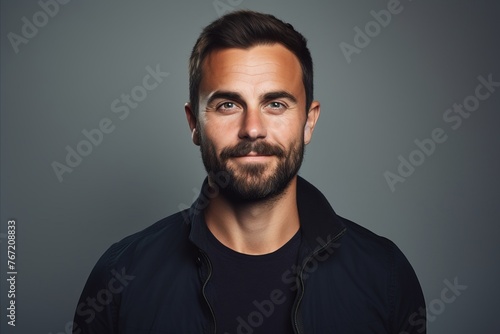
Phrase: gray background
pixel 444 216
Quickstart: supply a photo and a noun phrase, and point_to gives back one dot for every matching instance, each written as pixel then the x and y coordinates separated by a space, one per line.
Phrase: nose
pixel 252 125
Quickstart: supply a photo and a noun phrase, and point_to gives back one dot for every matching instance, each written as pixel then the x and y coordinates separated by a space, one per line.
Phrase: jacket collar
pixel 319 224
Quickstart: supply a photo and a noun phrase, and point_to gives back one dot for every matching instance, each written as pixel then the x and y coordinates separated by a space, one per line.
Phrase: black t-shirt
pixel 251 296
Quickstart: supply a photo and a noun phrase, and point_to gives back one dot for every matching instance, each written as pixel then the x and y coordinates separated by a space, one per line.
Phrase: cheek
pixel 219 135
pixel 286 131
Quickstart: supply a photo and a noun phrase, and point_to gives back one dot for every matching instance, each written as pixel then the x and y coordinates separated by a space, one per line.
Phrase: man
pixel 261 250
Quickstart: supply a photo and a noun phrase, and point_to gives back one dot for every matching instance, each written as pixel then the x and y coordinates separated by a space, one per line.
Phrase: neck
pixel 255 227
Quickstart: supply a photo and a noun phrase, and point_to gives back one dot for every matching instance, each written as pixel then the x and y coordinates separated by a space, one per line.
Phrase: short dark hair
pixel 244 29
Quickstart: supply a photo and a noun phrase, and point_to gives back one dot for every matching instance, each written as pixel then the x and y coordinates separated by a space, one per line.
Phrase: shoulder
pixel 381 260
pixel 374 251
pixel 133 262
pixel 362 240
pixel 165 236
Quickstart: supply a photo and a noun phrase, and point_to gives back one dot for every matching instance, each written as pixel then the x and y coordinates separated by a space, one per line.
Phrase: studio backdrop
pixel 95 145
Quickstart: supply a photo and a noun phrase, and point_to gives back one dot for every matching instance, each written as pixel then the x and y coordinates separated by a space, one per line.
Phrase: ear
pixel 191 118
pixel 312 118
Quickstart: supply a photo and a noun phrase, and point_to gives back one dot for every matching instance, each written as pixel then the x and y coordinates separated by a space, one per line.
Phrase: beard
pixel 253 182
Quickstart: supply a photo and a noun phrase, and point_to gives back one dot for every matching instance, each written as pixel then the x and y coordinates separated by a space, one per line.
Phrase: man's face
pixel 252 119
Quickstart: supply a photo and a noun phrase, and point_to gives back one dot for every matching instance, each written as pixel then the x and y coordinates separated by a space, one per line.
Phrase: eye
pixel 277 106
pixel 227 106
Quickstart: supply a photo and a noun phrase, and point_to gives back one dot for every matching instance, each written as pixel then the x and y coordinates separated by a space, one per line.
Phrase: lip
pixel 253 156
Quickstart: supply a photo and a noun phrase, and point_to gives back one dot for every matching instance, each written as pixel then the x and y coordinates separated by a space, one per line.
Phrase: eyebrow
pixel 278 95
pixel 223 95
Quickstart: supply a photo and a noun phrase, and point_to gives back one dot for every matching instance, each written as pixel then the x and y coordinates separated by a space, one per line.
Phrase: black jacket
pixel 348 279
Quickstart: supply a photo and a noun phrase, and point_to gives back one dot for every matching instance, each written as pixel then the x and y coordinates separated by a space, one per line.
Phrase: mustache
pixel 245 147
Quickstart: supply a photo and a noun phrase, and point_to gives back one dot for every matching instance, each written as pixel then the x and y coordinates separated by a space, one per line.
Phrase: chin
pixel 256 189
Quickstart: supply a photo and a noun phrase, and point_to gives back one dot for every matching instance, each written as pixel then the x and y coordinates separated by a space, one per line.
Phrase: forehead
pixel 263 67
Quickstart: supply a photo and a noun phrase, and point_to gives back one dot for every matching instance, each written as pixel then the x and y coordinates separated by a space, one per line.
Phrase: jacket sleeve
pixel 97 309
pixel 407 299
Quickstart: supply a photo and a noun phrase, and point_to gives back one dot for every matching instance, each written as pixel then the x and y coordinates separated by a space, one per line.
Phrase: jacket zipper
pixel 296 311
pixel 203 289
